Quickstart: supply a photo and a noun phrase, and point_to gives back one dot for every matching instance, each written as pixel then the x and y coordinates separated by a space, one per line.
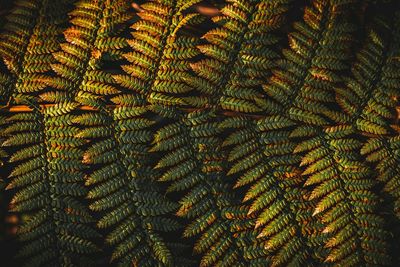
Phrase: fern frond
pixel 30 36
pixel 193 162
pixel 91 38
pixel 268 147
pixel 160 53
pixel 240 54
pixel 262 156
pixel 48 177
pixel 123 190
pixel 303 84
pixel 385 153
pixel 346 202
pixel 274 143
pixel 369 98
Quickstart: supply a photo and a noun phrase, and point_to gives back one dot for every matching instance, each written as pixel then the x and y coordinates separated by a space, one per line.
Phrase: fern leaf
pixel 89 40
pixel 193 163
pixel 324 34
pixel 160 53
pixel 30 36
pixel 48 178
pixel 275 191
pixel 345 200
pixel 240 54
pixel 123 188
pixel 367 99
pixel 385 153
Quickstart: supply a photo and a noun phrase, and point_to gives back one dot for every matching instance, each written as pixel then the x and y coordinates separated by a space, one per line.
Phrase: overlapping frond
pixel 262 153
pixel 161 49
pixel 274 143
pixel 123 187
pixel 48 183
pixel 92 37
pixel 370 101
pixel 343 188
pixel 240 53
pixel 330 157
pixel 385 152
pixel 303 84
pixel 369 95
pixel 31 34
pixel 193 163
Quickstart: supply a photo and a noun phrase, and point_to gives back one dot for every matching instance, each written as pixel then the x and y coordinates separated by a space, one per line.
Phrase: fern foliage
pixel 31 34
pixel 200 133
pixel 275 191
pixel 240 53
pixel 92 37
pixel 303 84
pixel 345 198
pixel 160 52
pixel 122 187
pixel 193 162
pixel 370 101
pixel 48 183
